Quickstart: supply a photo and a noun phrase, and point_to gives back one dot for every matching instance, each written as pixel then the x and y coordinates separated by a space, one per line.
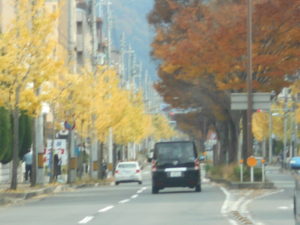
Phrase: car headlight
pixel 292 161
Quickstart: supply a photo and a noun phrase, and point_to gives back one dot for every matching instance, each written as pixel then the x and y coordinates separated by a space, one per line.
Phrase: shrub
pixel 246 173
pixel 232 172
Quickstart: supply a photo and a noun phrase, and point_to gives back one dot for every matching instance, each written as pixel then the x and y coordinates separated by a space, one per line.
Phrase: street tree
pixel 26 62
pixel 204 45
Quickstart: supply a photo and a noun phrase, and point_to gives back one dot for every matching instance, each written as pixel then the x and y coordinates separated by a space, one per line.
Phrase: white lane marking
pixel 134 196
pixel 205 180
pixel 237 204
pixel 124 201
pixel 106 209
pixel 283 207
pixel 141 190
pixel 268 194
pixel 244 209
pixel 226 203
pixel 233 222
pixel 86 220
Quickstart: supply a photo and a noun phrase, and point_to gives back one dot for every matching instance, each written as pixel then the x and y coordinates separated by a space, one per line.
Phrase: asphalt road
pixel 124 204
pixel 134 204
pixel 275 207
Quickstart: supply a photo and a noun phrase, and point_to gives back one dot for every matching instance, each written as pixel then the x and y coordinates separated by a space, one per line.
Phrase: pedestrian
pixel 57 166
pixel 103 170
pixel 27 158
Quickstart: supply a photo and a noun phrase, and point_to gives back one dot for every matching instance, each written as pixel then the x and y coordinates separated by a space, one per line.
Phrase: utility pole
pixel 249 80
pixel 122 61
pixel 72 69
pixel 109 27
pixel 109 60
pixel 296 126
pixel 39 145
pixel 285 128
pixel 94 142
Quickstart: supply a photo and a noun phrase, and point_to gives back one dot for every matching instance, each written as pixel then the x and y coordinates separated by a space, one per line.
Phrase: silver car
pixel 128 172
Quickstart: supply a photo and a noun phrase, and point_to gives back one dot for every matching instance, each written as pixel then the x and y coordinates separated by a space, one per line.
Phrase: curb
pixel 12 198
pixel 244 185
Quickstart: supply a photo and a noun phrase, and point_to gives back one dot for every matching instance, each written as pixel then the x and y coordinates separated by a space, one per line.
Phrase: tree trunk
pixel 222 129
pixel 100 161
pixel 16 112
pixel 233 143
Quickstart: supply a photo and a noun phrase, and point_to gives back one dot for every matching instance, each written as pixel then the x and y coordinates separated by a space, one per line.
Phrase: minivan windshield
pixel 170 151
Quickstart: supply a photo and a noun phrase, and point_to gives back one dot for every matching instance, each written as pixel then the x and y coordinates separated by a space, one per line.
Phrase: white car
pixel 128 172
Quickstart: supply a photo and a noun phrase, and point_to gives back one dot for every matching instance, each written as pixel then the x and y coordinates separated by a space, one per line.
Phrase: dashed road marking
pixel 283 207
pixel 134 196
pixel 105 209
pixel 124 201
pixel 86 220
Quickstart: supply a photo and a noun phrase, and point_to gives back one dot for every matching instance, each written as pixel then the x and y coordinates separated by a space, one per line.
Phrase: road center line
pixel 124 201
pixel 134 196
pixel 106 209
pixel 283 207
pixel 86 220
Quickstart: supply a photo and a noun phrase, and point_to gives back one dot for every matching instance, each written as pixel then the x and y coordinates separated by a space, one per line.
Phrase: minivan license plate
pixel 175 174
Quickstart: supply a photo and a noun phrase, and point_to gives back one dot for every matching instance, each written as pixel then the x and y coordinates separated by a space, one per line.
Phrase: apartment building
pixel 85 42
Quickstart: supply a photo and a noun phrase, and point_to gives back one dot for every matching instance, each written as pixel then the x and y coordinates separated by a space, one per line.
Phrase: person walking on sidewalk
pixel 28 165
pixel 57 166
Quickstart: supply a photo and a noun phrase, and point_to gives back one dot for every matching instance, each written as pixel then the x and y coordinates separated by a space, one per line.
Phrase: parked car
pixel 295 162
pixel 128 172
pixel 175 164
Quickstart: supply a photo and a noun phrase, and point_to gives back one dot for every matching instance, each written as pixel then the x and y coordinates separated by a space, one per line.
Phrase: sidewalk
pixel 25 191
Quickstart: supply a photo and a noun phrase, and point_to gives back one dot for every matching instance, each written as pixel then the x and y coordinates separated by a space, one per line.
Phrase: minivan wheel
pixel 140 182
pixel 116 183
pixel 198 188
pixel 154 190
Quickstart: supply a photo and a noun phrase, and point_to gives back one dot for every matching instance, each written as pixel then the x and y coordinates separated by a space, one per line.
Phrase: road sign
pixel 251 161
pixel 261 100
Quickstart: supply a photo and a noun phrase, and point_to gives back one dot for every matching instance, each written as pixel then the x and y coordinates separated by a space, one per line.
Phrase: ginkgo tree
pixel 95 102
pixel 26 62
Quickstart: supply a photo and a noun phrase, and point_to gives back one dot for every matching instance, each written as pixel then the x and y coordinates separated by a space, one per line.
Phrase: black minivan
pixel 175 164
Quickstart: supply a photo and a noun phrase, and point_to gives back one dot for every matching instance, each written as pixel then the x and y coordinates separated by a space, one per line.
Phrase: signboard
pixel 251 161
pixel 261 100
pixel 60 148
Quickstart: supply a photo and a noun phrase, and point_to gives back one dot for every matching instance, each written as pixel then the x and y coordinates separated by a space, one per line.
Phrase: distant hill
pixel 130 17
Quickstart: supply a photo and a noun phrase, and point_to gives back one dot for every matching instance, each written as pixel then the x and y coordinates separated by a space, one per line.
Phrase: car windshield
pixel 127 166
